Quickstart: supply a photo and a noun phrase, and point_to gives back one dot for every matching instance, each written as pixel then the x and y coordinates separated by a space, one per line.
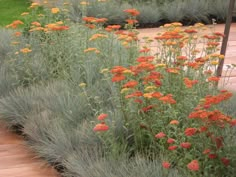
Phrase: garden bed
pixel 93 103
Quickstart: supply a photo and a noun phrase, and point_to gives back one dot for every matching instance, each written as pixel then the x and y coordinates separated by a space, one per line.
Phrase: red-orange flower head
pixel 118 70
pixel 206 151
pixel 89 19
pixel 171 148
pixel 233 122
pixel 132 12
pixel 134 94
pixel 174 122
pixel 102 116
pixel 118 73
pixel 173 70
pixel 166 165
pixel 181 58
pixel 225 161
pixel 101 127
pixel 170 141
pixel 213 79
pixel 131 21
pixel 112 27
pixel 94 20
pixel 118 78
pixel 130 84
pixel 219 34
pixel 185 145
pixel 190 131
pixel 212 156
pixel 145 59
pixel 168 99
pixel 160 135
pixel 147 108
pixel 59 28
pixel 193 165
pixel 190 31
pixel 189 83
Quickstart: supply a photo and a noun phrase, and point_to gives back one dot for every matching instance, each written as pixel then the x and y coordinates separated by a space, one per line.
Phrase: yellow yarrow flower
pixel 59 22
pixel 84 3
pixel 199 25
pixel 214 62
pixel 82 85
pixel 95 36
pixel 160 65
pixel 55 10
pixel 148 95
pixel 125 43
pixel 41 15
pixel 25 13
pixel 25 50
pixel 91 49
pixel 221 57
pixel 127 71
pixel 177 24
pixel 34 4
pixel 167 25
pixel 105 70
pixel 150 88
pixel 124 90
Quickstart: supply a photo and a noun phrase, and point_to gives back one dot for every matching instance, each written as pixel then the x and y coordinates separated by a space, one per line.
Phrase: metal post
pixel 226 36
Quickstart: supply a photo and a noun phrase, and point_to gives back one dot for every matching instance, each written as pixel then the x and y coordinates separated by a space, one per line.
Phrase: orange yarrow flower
pixel 131 21
pixel 17 34
pixel 130 84
pixel 193 165
pixel 213 79
pixel 170 141
pixel 190 131
pixel 168 99
pixel 185 145
pixel 189 83
pixel 134 94
pixel 91 49
pixel 25 50
pixel 112 27
pixel 166 165
pixel 15 24
pixel 132 12
pixel 160 135
pixel 118 78
pixel 171 148
pixel 174 122
pixel 102 116
pixel 55 10
pixel 101 127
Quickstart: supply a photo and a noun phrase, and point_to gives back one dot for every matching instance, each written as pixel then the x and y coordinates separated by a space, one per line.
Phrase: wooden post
pixel 226 37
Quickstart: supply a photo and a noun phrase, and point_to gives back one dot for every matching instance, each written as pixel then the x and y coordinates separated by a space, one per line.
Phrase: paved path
pixel 16 160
